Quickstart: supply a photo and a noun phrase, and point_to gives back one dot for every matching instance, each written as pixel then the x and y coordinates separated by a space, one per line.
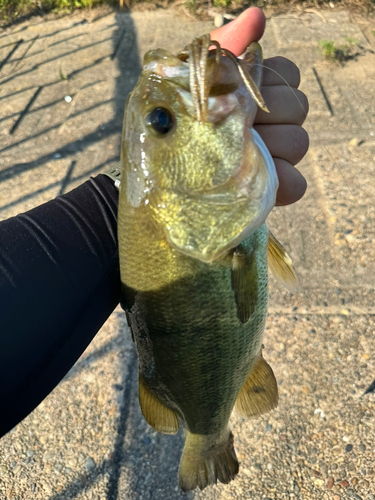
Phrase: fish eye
pixel 160 119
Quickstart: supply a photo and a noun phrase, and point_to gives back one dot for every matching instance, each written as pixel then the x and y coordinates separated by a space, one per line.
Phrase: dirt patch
pixel 15 10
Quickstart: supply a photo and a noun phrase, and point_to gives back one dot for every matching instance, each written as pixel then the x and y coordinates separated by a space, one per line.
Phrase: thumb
pixel 238 35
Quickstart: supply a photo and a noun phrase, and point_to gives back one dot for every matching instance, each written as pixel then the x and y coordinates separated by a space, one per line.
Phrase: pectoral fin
pixel 259 394
pixel 281 264
pixel 244 277
pixel 161 418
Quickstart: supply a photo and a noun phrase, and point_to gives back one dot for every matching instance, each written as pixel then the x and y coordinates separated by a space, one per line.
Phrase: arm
pixel 59 282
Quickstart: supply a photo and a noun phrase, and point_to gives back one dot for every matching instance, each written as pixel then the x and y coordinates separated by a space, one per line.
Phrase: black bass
pixel 197 185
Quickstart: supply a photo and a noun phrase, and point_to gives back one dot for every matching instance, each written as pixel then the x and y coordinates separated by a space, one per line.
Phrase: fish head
pixel 188 150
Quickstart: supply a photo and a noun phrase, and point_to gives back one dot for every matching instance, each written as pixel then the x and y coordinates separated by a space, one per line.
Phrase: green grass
pixel 333 52
pixel 11 9
pixel 328 48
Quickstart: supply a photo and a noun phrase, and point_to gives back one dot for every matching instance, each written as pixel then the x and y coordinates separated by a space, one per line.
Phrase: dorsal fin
pixel 280 264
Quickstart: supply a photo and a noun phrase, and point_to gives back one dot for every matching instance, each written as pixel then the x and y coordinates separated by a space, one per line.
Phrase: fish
pixel 196 188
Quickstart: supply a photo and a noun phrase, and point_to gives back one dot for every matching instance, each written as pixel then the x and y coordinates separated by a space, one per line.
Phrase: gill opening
pixel 198 52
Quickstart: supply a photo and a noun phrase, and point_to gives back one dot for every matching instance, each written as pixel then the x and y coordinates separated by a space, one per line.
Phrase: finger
pixel 280 66
pixel 292 184
pixel 288 142
pixel 237 35
pixel 285 105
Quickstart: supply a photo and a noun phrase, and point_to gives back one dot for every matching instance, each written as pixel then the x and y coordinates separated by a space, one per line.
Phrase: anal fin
pixel 244 276
pixel 259 394
pixel 281 264
pixel 161 418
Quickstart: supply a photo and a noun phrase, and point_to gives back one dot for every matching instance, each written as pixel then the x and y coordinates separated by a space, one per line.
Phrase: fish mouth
pixel 212 74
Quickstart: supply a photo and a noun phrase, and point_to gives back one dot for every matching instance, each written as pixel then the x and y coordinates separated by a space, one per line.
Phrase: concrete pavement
pixel 63 86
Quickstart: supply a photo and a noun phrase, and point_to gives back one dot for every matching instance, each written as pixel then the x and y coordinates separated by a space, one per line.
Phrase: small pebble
pixel 68 98
pixel 218 20
pixel 362 447
pixel 47 488
pixel 330 483
pixel 344 483
pixel 353 143
pixel 48 455
pixel 355 480
pixel 336 497
pixel 349 492
pixel 357 497
pixel 323 469
pixel 58 467
pixel 146 440
pixel 17 469
pixel 247 472
pixel 334 467
pixel 13 464
pixel 269 466
pixel 348 448
pixel 30 453
pixel 90 464
pixel 268 428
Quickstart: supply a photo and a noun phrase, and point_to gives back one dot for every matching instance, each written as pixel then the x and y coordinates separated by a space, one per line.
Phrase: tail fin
pixel 205 460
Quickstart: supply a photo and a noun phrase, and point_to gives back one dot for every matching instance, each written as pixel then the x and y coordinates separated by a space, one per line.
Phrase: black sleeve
pixel 59 282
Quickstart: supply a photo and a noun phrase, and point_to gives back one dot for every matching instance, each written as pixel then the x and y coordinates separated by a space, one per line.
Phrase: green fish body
pixel 194 195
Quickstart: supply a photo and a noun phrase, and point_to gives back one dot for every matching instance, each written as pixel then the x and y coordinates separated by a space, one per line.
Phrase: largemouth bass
pixel 197 186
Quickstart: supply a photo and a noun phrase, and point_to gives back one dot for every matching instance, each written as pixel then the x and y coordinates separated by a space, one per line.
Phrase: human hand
pixel 280 129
